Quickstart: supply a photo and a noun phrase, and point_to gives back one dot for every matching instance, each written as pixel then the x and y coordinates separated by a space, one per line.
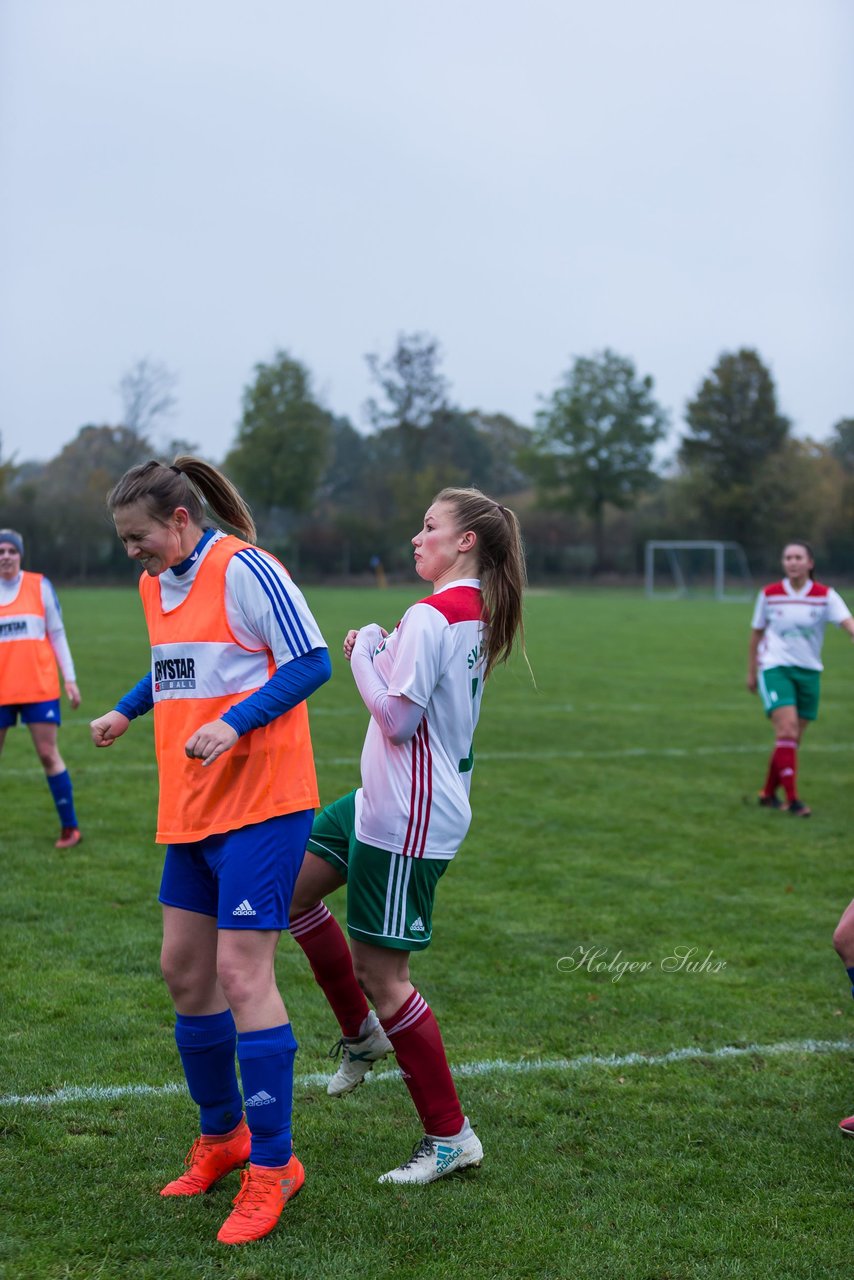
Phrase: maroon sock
pixel 773 779
pixel 319 934
pixel 417 1041
pixel 786 755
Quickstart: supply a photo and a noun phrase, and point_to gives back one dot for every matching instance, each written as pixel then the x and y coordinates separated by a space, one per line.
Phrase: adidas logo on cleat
pixel 260 1099
pixel 446 1155
pixel 244 909
pixel 417 926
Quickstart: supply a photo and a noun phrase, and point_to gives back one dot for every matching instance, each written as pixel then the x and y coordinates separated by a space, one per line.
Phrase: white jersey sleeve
pixel 418 655
pixel 760 613
pixel 266 609
pixel 837 609
pixel 56 631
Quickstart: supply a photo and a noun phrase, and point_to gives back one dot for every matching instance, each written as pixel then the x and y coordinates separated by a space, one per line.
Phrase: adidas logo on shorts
pixel 244 909
pixel 417 926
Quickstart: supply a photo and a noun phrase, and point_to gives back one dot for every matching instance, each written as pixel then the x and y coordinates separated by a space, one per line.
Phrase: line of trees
pixel 587 477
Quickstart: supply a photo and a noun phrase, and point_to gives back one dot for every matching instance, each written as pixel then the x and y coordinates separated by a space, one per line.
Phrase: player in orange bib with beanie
pixel 32 645
pixel 235 653
pixel 391 840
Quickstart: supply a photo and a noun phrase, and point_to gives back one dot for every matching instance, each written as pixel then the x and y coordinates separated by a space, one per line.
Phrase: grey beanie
pixel 10 535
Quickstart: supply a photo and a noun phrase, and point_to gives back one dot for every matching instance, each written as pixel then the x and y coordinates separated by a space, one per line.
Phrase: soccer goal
pixel 673 570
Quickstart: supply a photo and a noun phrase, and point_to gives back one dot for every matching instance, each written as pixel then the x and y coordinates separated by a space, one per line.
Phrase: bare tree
pixel 148 394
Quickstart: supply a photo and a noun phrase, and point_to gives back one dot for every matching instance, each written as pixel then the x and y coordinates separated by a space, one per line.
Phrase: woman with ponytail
pixel 235 653
pixel 391 840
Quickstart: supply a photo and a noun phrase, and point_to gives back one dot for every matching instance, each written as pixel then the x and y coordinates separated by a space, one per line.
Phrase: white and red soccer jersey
pixel 414 797
pixel 794 622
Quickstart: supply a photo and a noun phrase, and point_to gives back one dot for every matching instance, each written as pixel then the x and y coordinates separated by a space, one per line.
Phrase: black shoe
pixel 769 802
pixel 798 809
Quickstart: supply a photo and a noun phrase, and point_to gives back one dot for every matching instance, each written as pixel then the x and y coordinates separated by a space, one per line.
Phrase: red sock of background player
pixel 786 755
pixel 320 936
pixel 773 778
pixel 420 1054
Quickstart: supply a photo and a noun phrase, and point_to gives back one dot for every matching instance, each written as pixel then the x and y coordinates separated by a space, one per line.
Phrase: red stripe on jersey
pixel 429 755
pixel 775 589
pixel 420 797
pixel 813 601
pixel 818 589
pixel 413 789
pixel 457 604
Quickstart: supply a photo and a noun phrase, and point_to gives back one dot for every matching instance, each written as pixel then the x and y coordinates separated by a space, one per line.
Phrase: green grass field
pixel 614 810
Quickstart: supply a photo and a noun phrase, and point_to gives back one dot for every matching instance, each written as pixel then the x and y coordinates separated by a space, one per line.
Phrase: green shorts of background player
pixel 796 687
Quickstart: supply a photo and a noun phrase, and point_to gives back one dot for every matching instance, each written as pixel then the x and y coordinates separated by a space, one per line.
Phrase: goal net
pixel 673 570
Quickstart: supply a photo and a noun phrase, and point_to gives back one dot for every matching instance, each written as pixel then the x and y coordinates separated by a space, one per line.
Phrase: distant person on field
pixel 392 839
pixel 235 652
pixel 32 645
pixel 784 664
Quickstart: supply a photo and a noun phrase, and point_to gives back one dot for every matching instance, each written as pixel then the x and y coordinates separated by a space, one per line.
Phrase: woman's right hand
pixel 107 728
pixel 752 682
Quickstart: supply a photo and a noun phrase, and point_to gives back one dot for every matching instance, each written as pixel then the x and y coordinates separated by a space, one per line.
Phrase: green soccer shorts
pixel 389 896
pixel 790 687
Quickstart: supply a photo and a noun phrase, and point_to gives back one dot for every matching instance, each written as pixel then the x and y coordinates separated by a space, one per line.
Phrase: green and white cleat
pixel 432 1158
pixel 358 1055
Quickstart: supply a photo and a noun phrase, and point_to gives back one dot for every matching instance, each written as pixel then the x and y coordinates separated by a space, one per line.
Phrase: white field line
pixel 464 1071
pixel 625 753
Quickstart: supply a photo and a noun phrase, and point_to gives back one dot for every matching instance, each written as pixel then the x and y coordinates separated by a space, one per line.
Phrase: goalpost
pixel 689 564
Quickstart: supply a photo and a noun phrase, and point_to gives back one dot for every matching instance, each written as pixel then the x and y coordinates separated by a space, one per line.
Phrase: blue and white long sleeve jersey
pixel 264 609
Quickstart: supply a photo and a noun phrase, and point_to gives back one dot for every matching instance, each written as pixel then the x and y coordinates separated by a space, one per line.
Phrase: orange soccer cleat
pixel 210 1158
pixel 259 1203
pixel 68 838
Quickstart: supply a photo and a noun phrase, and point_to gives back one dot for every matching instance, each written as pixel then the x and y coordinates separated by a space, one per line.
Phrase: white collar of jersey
pixel 460 582
pixel 790 590
pixel 186 570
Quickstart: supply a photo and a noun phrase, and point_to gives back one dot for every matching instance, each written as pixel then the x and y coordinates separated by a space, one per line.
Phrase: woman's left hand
pixel 73 694
pixel 210 741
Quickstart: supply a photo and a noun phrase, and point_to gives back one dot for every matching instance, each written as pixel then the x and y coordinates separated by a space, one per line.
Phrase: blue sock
pixel 850 973
pixel 206 1044
pixel 267 1070
pixel 63 798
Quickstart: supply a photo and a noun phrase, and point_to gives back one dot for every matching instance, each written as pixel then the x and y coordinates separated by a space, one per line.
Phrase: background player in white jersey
pixel 392 839
pixel 235 653
pixel 784 664
pixel 32 645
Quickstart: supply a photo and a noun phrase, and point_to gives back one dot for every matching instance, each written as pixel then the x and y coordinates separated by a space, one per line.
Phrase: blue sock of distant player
pixel 206 1043
pixel 267 1071
pixel 850 973
pixel 63 798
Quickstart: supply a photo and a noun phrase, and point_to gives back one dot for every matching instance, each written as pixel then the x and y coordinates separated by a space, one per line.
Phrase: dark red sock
pixel 320 936
pixel 772 781
pixel 786 755
pixel 417 1041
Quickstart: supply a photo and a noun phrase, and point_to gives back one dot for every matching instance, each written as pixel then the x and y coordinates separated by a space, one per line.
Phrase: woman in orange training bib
pixel 32 646
pixel 235 652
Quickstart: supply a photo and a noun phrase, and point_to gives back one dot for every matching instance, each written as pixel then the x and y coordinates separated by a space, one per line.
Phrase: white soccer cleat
pixel 432 1158
pixel 358 1055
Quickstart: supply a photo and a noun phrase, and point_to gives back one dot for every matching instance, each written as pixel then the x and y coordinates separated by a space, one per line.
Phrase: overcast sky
pixel 201 182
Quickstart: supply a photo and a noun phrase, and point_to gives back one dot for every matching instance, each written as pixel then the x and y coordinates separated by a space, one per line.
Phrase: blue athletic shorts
pixel 30 713
pixel 244 878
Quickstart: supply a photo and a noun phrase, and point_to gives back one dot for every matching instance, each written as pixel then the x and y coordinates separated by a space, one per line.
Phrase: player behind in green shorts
pixel 784 665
